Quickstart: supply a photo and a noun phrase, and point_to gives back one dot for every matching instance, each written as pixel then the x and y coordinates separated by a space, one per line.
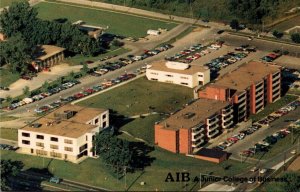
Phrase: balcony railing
pixel 228 118
pixel 225 126
pixel 213 121
pixel 197 144
pixel 211 128
pixel 197 137
pixel 213 133
pixel 227 112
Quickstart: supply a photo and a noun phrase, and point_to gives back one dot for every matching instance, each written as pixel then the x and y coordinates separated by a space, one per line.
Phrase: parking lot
pixel 262 133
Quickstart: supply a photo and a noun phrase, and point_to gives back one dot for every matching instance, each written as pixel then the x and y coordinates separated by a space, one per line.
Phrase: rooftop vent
pixel 65 115
pixel 189 115
pixel 36 125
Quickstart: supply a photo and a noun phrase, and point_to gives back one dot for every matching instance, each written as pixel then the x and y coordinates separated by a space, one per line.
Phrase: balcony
pixel 228 118
pixel 227 112
pixel 276 76
pixel 197 137
pixel 211 128
pixel 276 83
pixel 275 89
pixel 213 121
pixel 260 93
pixel 213 133
pixel 259 99
pixel 198 129
pixel 198 144
pixel 225 126
pixel 261 88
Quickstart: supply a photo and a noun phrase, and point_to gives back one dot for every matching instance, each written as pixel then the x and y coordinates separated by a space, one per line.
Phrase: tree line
pixel 253 12
pixel 25 31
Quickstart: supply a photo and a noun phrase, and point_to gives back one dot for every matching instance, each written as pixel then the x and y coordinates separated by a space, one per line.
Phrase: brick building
pixel 249 88
pixel 188 129
pixel 66 133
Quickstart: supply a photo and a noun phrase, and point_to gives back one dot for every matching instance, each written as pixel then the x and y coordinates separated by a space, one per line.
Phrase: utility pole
pixel 200 182
pixel 125 183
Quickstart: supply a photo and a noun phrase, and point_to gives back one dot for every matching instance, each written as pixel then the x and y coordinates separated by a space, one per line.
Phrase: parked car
pixel 54 180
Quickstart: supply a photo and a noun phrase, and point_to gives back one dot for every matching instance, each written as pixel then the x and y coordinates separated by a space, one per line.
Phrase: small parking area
pixel 259 137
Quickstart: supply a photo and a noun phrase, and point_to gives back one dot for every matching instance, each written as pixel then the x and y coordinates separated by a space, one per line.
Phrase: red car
pixel 89 91
pixel 78 95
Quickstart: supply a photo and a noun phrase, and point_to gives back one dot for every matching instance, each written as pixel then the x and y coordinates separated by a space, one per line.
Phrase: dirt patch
pixel 295 166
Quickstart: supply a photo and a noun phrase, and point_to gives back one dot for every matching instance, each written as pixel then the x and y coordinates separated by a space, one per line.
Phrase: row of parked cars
pixel 271 57
pixel 54 90
pixel 266 143
pixel 7 147
pixel 280 112
pixel 237 137
pixel 84 93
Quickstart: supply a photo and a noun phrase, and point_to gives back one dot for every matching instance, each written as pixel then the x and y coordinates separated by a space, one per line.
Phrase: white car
pixel 262 171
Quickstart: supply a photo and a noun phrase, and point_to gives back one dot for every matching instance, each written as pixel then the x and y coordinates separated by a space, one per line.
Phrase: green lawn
pixel 142 127
pixel 7 77
pixel 93 171
pixel 4 3
pixel 7 118
pixel 119 23
pixel 7 133
pixel 270 108
pixel 77 59
pixel 136 97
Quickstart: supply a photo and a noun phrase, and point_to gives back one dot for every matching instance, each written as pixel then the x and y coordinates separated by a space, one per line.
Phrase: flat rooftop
pixel 198 112
pixel 245 75
pixel 47 51
pixel 73 127
pixel 161 66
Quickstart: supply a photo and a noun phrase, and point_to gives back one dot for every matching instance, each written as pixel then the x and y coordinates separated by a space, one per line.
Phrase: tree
pixel 295 37
pixel 234 24
pixel 8 169
pixel 9 99
pixel 293 182
pixel 45 86
pixel 26 91
pixel 277 34
pixel 84 69
pixel 117 43
pixel 15 53
pixel 18 18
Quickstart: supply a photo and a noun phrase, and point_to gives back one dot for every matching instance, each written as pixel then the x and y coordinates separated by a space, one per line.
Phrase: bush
pixel 295 37
pixel 117 43
pixel 277 34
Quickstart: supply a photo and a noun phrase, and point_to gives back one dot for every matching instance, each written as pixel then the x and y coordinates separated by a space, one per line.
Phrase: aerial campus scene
pixel 150 95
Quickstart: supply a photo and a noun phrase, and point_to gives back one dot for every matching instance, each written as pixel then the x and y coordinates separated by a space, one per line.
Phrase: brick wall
pixel 165 138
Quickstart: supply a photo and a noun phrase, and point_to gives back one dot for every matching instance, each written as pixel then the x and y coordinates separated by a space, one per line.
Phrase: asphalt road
pixel 263 45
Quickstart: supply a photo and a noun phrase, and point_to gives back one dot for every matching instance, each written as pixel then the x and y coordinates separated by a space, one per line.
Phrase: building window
pixel 86 137
pixel 104 116
pixel 83 147
pixel 25 134
pixel 40 136
pixel 25 142
pixel 41 152
pixel 153 79
pixel 96 121
pixel 39 144
pixel 184 77
pixel 104 124
pixel 169 75
pixel 54 146
pixel 154 73
pixel 68 141
pixel 54 139
pixel 200 75
pixel 54 154
pixel 183 83
pixel 69 149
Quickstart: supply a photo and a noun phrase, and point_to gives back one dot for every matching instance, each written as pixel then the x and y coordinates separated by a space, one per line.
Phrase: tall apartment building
pixel 188 129
pixel 249 88
pixel 178 73
pixel 66 133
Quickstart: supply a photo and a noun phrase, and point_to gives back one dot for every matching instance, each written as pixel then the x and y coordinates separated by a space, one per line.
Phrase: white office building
pixel 66 133
pixel 178 73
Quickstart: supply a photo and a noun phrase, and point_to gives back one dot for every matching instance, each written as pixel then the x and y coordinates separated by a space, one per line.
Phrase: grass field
pixel 7 78
pixel 4 3
pixel 7 133
pixel 119 23
pixel 136 97
pixel 78 59
pixel 7 118
pixel 93 171
pixel 142 127
pixel 270 108
pixel 287 24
